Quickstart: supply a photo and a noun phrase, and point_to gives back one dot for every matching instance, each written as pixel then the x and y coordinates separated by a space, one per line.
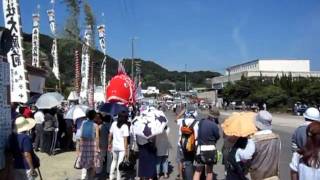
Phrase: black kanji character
pixel 10 10
pixel 13 25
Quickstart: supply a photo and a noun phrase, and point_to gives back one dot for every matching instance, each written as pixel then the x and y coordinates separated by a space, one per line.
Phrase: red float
pixel 121 89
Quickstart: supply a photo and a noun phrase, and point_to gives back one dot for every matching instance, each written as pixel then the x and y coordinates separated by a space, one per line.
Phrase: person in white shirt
pixel 187 116
pixel 39 118
pixel 305 163
pixel 118 143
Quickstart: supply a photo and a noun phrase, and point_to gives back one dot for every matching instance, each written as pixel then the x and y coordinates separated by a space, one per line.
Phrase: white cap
pixel 312 114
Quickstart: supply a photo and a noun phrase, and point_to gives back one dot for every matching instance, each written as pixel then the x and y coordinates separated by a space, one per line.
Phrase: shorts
pixel 179 157
pixel 199 165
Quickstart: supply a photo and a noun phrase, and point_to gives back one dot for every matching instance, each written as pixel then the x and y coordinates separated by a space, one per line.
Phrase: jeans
pixel 117 158
pixel 162 161
pixel 188 170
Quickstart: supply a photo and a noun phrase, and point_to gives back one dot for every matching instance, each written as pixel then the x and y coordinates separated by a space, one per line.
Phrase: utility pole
pixel 185 78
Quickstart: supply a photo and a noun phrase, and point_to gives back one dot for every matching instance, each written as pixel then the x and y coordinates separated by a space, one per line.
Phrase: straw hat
pixel 24 124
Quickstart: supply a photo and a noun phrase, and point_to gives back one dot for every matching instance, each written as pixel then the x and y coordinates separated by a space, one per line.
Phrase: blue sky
pixel 204 34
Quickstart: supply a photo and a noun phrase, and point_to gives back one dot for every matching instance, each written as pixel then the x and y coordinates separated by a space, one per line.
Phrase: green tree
pixel 272 95
pixel 72 29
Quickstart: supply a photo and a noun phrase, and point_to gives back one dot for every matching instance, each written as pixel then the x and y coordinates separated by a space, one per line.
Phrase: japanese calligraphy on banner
pixel 54 53
pixel 103 73
pixel 18 82
pixel 35 40
pixel 85 64
pixel 52 21
pixel 101 33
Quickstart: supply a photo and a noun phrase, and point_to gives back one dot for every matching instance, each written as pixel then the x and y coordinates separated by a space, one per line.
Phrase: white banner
pixel 52 21
pixel 103 73
pixel 54 53
pixel 18 82
pixel 85 65
pixel 35 40
pixel 101 33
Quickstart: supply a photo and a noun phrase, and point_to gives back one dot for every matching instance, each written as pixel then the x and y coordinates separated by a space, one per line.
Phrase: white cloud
pixel 240 42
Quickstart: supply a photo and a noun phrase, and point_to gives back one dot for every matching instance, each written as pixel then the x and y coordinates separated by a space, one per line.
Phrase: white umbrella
pixel 76 112
pixel 73 96
pixel 49 100
pixel 150 123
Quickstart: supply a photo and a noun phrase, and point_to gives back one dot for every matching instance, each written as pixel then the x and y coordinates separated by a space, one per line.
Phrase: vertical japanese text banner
pixel 35 40
pixel 101 33
pixel 18 81
pixel 85 65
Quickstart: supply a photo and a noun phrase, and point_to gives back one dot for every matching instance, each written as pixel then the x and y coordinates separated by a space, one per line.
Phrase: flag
pixel 18 82
pixel 54 53
pixel 85 69
pixel 101 33
pixel 52 21
pixel 103 73
pixel 35 40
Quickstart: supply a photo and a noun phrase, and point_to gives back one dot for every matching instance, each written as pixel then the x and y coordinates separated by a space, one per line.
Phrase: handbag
pixel 126 165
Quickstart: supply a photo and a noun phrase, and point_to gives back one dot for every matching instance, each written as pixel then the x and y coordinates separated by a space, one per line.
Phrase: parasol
pixel 150 123
pixel 240 124
pixel 49 100
pixel 76 112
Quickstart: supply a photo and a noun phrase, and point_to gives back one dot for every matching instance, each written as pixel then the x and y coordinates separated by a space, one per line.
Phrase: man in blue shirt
pixel 208 135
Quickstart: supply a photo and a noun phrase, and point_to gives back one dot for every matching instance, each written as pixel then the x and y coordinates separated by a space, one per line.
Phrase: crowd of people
pixel 107 147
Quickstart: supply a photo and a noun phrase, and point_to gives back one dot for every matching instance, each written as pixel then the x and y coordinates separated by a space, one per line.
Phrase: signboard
pixel 5 110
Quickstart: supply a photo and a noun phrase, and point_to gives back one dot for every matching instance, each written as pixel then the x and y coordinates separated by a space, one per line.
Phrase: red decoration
pixel 120 89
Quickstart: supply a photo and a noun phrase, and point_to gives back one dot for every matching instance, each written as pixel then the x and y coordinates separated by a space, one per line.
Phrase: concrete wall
pixel 278 65
pixel 249 66
pixel 284 65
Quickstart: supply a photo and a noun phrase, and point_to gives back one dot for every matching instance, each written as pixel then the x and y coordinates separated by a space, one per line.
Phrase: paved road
pixel 60 167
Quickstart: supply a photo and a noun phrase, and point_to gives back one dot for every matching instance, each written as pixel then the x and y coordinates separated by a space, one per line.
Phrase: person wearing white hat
pixel 25 160
pixel 299 137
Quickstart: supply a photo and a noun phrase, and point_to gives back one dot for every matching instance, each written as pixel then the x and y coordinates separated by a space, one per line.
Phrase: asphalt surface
pixel 60 166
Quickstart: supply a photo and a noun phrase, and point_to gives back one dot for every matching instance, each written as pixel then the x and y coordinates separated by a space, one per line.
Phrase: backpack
pixel 187 141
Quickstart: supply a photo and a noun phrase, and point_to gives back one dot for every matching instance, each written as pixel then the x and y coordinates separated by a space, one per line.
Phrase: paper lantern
pixel 120 89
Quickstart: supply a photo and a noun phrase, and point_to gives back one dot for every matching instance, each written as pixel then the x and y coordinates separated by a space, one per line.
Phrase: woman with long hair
pixel 305 163
pixel 118 142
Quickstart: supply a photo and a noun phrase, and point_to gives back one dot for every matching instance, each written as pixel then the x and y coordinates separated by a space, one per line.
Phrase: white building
pixel 265 68
pixel 150 90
